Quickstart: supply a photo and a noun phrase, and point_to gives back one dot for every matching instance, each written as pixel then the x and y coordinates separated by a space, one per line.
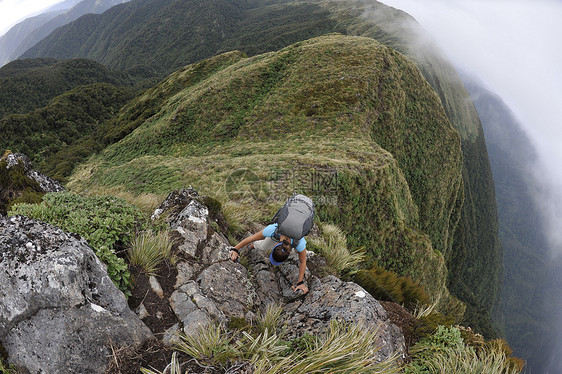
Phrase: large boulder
pixel 59 310
pixel 210 287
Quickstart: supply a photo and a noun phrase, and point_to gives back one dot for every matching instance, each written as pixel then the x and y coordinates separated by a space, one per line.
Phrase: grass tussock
pixel 332 244
pixel 270 319
pixel 149 249
pixel 343 348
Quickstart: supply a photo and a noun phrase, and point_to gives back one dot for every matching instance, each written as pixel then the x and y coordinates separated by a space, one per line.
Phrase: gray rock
pixel 46 183
pixel 174 203
pixel 58 308
pixel 210 287
pixel 330 298
pixel 194 321
pixel 227 284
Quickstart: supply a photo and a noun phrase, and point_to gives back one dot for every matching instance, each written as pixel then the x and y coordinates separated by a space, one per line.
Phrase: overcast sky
pixel 14 11
pixel 515 47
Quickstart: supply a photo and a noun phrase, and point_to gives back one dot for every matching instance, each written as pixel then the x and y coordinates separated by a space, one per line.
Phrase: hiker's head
pixel 280 252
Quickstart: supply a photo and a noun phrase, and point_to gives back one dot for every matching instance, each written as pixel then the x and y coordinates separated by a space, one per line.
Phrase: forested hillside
pixel 30 84
pixel 20 39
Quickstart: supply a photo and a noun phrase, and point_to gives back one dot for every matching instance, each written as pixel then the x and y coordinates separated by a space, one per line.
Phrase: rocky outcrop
pixel 59 310
pixel 210 287
pixel 46 183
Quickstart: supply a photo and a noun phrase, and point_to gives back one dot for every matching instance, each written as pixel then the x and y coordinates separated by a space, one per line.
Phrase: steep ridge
pixel 165 35
pixel 311 118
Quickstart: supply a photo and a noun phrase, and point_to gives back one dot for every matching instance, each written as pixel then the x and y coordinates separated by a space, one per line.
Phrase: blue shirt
pixel 268 232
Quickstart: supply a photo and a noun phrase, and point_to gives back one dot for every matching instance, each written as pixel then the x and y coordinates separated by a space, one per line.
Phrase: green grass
pixel 446 351
pixel 149 249
pixel 343 348
pixel 107 223
pixel 332 244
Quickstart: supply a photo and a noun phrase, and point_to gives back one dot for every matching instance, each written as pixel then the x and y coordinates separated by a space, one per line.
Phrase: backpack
pixel 294 218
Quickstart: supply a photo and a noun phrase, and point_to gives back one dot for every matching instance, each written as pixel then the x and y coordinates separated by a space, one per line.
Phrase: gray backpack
pixel 295 218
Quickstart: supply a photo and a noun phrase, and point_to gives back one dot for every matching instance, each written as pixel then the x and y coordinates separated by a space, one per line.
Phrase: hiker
pixel 286 231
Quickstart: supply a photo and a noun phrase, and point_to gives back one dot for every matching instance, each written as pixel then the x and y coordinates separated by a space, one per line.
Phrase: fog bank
pixel 516 49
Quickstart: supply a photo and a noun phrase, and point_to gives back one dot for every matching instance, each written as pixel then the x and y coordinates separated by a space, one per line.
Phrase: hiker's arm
pixel 302 269
pixel 257 236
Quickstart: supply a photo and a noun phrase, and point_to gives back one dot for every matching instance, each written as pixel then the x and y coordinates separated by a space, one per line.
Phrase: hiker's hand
pixel 234 254
pixel 301 287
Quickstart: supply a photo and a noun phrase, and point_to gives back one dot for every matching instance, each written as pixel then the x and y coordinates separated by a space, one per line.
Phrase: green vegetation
pixel 387 285
pixel 16 187
pixel 332 244
pixel 107 223
pixel 155 37
pixel 45 134
pixel 269 320
pixel 344 348
pixel 251 133
pixel 30 84
pixel 179 33
pixel 445 351
pixel 148 250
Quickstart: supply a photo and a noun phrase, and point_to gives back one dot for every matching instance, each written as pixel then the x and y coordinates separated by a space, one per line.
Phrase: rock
pixel 174 204
pixel 210 287
pixel 330 298
pixel 156 286
pixel 227 284
pixel 46 183
pixel 59 310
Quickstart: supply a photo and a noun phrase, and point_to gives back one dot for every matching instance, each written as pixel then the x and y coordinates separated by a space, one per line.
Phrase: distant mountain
pixel 30 84
pixel 27 33
pixel 161 36
pixel 10 41
pixel 528 309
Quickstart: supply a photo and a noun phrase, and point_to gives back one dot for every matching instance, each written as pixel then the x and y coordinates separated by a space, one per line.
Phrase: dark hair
pixel 281 252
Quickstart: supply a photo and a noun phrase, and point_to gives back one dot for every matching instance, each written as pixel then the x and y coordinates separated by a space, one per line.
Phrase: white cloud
pixel 515 47
pixel 14 11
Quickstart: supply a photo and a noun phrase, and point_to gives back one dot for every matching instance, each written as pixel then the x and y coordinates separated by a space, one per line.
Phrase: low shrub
pixel 107 223
pixel 427 325
pixel 387 285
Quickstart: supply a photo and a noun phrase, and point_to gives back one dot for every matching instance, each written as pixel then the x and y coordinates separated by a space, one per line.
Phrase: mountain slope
pixel 528 308
pixel 70 117
pixel 41 31
pixel 30 84
pixel 10 40
pixel 264 126
pixel 164 35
